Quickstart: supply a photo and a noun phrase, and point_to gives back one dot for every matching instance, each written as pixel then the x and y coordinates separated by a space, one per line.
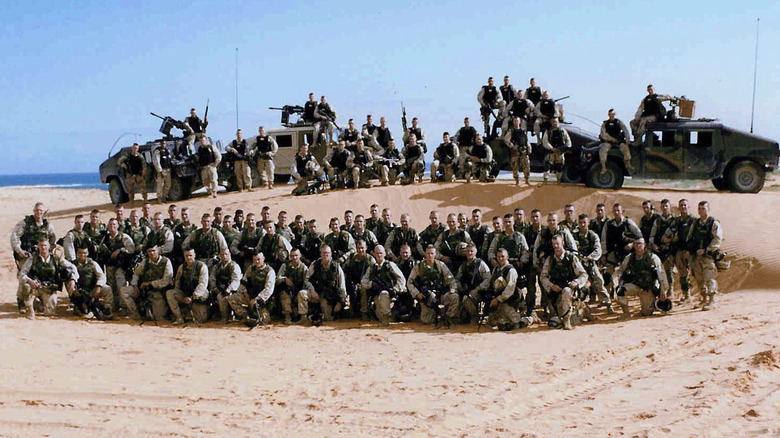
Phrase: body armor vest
pixel 383 136
pixel 350 135
pixel 152 271
pixel 534 94
pixel 587 243
pixel 617 237
pixel 189 278
pixel 414 152
pixel 519 139
pixel 507 92
pixel 34 233
pixel 300 164
pixel 613 129
pixel 46 271
pixel 361 158
pixel 646 225
pixel 206 155
pixel 308 111
pixel 556 138
pixel 256 279
pixel 87 275
pixel 165 157
pixel 466 136
pixel 511 244
pixel 642 270
pixel 401 237
pixel 224 274
pixel 446 152
pixel 135 164
pixel 547 107
pixel 241 149
pixel 339 159
pixel 325 280
pixel 195 123
pixel 80 239
pixel 652 106
pixel 471 278
pixel 263 144
pixel 479 151
pixel 490 94
pixel 156 238
pixel 138 234
pixel 562 271
pixel 519 108
pixel 431 279
pixel 205 244
pixel 701 235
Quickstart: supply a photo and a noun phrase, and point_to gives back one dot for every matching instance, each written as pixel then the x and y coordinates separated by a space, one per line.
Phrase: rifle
pixel 403 116
pixel 561 98
pixel 145 306
pixel 188 308
pixel 206 115
pixel 94 306
pixel 428 290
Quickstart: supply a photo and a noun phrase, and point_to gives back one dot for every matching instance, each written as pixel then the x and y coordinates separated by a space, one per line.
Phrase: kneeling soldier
pixel 224 279
pixel 190 289
pixel 473 281
pixel 327 289
pixel 382 282
pixel 291 285
pixel 91 294
pixel 151 279
pixel 504 296
pixel 42 276
pixel 641 274
pixel 255 291
pixel 431 282
pixel 562 277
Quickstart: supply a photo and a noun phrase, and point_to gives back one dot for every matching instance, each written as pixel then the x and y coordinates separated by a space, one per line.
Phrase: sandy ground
pixel 689 373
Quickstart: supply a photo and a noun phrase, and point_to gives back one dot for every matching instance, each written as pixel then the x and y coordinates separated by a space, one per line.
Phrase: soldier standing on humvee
pixel 489 98
pixel 614 133
pixel 135 170
pixel 519 150
pixel 650 110
pixel 556 141
pixel 324 114
pixel 196 128
pixel 209 158
pixel 265 150
pixel 533 92
pixel 241 152
pixel 161 158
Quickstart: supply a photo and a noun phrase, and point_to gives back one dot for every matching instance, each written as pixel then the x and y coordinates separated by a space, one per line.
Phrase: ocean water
pixel 89 180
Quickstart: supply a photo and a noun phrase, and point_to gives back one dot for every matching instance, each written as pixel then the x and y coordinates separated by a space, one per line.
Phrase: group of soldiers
pixel 253 268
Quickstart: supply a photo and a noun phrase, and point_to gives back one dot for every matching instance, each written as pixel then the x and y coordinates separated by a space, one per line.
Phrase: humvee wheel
pixel 570 174
pixel 746 177
pixel 720 184
pixel 116 192
pixel 611 179
pixel 180 189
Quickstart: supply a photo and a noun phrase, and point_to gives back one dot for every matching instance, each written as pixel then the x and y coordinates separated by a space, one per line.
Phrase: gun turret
pixel 287 110
pixel 168 124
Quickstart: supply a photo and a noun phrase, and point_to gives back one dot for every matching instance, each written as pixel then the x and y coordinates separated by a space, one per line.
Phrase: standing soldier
pixel 704 240
pixel 430 234
pixel 678 234
pixel 618 238
pixel 151 279
pixel 531 233
pixel 196 128
pixel 324 114
pixel 543 250
pixel 95 229
pixel 614 133
pixel 383 135
pixel 545 111
pixel 480 234
pixel 229 232
pixel 312 243
pixel 661 242
pixel 374 218
pixel 42 276
pixel 414 160
pixel 641 274
pixel 291 286
pixel 465 139
pixel 473 281
pixel 417 132
pixel 446 155
pixel 325 282
pixel 504 295
pixel 648 220
pixel 255 292
pixel 92 282
pixel 275 245
pixel 27 233
pixel 304 169
pixel 340 241
pixel 589 251
pixel 533 92
pixel 247 243
pixel 519 107
pixel 514 245
pixel 382 282
pixel 480 158
pixel 570 220
pixel 171 221
pixel 355 266
pixel 489 98
pixel 146 218
pixel 75 239
pixel 190 289
pixel 137 232
pixel 206 241
pixel 180 233
pixel 369 133
pixel 209 158
pixel 265 151
pixel 241 156
pixel 519 150
pixel 161 158
pixel 385 226
pixel 451 243
pixel 224 280
pixel 337 164
pixel 562 276
pixel 597 223
pixel 400 236
pixel 116 251
pixel 135 172
pixel 359 232
pixel 556 142
pixel 429 281
pixel 282 228
pixel 362 162
pixel 650 110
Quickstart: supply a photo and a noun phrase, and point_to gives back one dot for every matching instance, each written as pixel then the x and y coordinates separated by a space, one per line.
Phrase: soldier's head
pixel 650 89
pixel 617 212
pixel 516 122
pixel 369 119
pixel 405 221
pixel 379 253
pixel 134 149
pixel 158 220
pixel 119 212
pixel 463 221
pixel 391 144
pixel 311 97
pixel 81 254
pixel 533 82
pixel 334 224
pixel 172 212
pixel 506 80
pixel 146 209
pixel 430 254
pixel 647 207
pixel 412 139
pixel 94 217
pixel 471 252
pixel 509 223
pixel 406 252
pixel 323 100
pixel 341 145
pixel 374 209
pixel 360 248
pixel 552 221
pixel 78 222
pixel 360 223
pixel 153 253
pixel 704 210
pixel 351 123
pixel 326 254
pixel 259 259
pixel 359 144
pixel 300 222
pixel 476 217
pixel 261 131
pixel 545 95
pixel 639 246
pixel 611 114
pixel 349 218
pixel 218 214
pixel 251 222
pixel 490 81
pixel 519 95
pixel 281 218
pixel 557 243
pixel 38 211
pixel 193 113
pixel 303 150
pixel 445 137
pixel 134 217
pixel 434 218
pixel 583 222
pixel 683 206
pixel 519 215
pixel 601 211
pixel 466 122
pixel 205 221
pixel 555 123
pixel 568 212
pixel 415 122
pixel 113 226
pixel 536 216
pixel 295 256
pixel 387 216
pixel 502 257
pixel 224 255
pixel 43 248
pixel 479 140
pixel 666 207
pixel 269 227
pixel 189 257
pixel 498 224
pixel 313 226
pixel 239 135
pixel 227 222
pixel 238 216
pixel 265 213
pixel 382 121
pixel 452 221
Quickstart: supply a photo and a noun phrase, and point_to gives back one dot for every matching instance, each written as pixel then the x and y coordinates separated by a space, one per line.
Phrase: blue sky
pixel 76 75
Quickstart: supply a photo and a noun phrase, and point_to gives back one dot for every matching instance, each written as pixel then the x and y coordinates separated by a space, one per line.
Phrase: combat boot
pixel 179 321
pixel 626 310
pixel 287 318
pixel 686 296
pixel 709 304
pixel 304 321
pixel 567 322
pixel 517 181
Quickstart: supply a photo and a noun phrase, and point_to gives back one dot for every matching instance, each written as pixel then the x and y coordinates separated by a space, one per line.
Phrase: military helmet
pixel 663 305
pixel 555 322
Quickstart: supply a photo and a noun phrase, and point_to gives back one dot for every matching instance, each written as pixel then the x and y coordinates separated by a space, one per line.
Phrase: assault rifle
pixel 428 291
pixel 92 305
pixel 206 116
pixel 403 117
pixel 254 323
pixel 145 306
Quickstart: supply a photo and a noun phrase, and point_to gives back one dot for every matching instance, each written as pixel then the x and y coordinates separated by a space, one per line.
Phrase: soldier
pixel 570 219
pixel 27 233
pixel 520 222
pixel 224 280
pixel 405 261
pixel 533 93
pixel 543 249
pixel 324 114
pixel 247 243
pixel 137 232
pixel 362 162
pixel 116 251
pixel 162 160
pixel 562 276
pixel 518 255
pixel 325 282
pixel 463 222
pixel 146 218
pixel 275 245
pixel 265 151
pixel 383 135
pixel 76 238
pixel 312 243
pixel 661 243
pixel 42 276
pixel 445 156
pixel 299 231
pixel 135 172
pixel 418 133
pixel 238 219
pixel 209 158
pixel 531 232
pixel 473 281
pixel 119 214
pixel 230 233
pixel 480 161
pixel 190 289
pixel 465 138
pixel 206 241
pixel 338 162
pixel 589 251
pixel 151 278
pixel 385 226
pixel 640 274
pixel 255 292
pixel 519 107
pixel 340 241
pixel 545 111
pixel 195 127
pixel 291 285
pixel 507 90
pixel 282 228
pixel 556 142
pixel 95 229
pixel 349 221
pixel 92 282
pixel 160 236
pixel 369 133
pixel 308 111
pixel 480 234
pixel 391 163
pixel 355 266
pixel 614 133
pixel 617 238
pixel 241 155
pixel 374 218
pixel 400 236
pixel 648 220
pixel 704 240
pixel 304 169
pixel 519 151
pixel 489 98
pixel 451 243
pixel 350 136
pixel 414 160
pixel 429 281
pixel 180 233
pixel 359 232
pixel 431 233
pixel 171 221
pixel 597 223
pixel 650 110
pixel 381 282
pixel 503 295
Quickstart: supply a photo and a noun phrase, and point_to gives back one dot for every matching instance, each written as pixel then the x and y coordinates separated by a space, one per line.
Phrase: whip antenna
pixel 755 70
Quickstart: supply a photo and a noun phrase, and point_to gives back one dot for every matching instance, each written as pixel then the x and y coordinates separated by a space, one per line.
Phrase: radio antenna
pixel 236 88
pixel 755 71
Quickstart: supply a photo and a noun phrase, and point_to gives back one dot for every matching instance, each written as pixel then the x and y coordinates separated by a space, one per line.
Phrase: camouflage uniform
pixel 161 158
pixel 328 283
pixel 706 235
pixel 245 246
pixel 27 234
pixel 508 297
pixel 74 240
pixel 368 236
pixel 484 164
pixel 92 277
pixel 436 280
pixel 682 258
pixel 51 271
pixel 135 169
pixel 473 281
pixel 614 238
pixel 342 244
pixel 275 248
pixel 561 271
pixel 380 284
pixel 519 257
pixel 398 238
pixel 589 249
pixel 224 279
pixel 159 276
pixel 647 279
pixel 519 152
pixel 207 244
pixel 449 245
pixel 191 282
pixel 162 238
pixel 118 268
pixel 258 283
pixel 297 292
pixel 662 227
pixel 543 250
pixel 429 236
pixel 354 270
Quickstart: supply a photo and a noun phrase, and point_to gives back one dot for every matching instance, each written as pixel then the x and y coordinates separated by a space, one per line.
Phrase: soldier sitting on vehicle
pixel 390 163
pixel 444 158
pixel 337 164
pixel 362 162
pixel 544 111
pixel 556 142
pixel 196 129
pixel 324 115
pixel 614 133
pixel 516 139
pixel 414 160
pixel 350 136
pixel 650 110
pixel 479 161
pixel 304 169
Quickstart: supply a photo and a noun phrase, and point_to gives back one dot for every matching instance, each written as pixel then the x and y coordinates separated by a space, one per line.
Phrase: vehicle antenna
pixel 119 138
pixel 755 70
pixel 236 88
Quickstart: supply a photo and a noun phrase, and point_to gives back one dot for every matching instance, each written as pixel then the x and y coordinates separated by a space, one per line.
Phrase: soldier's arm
pixel 187 244
pixel 580 272
pixel 493 248
pixel 448 278
pixel 25 271
pixel 138 271
pixel 507 138
pixel 633 228
pixel 596 254
pixel 456 153
pixel 507 109
pixel 639 110
pixel 213 279
pixel 544 278
pixel 480 96
pixel 307 283
pixel 618 273
pixel 566 140
pixel 438 244
pixel 410 281
pixel 511 285
pixel 653 234
pixel 156 160
pixel 16 237
pixel 101 276
pixel 661 274
pixel 484 274
pixel 570 241
pixel 177 279
pixel 201 291
pixel 717 236
pixel 268 289
pixel 489 156
pixel 294 170
pixel 389 244
pixel 525 252
pixel 127 244
pixel 217 155
pixel 284 248
pixel 538 110
pixel 398 276
pixel 167 276
pixel 68 248
pixel 546 142
pixel 274 147
pixel 604 238
pixel 167 247
pixel 221 242
pixel 341 285
pixel 625 130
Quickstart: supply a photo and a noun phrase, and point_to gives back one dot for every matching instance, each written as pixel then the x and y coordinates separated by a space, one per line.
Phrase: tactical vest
pixel 646 225
pixel 296 274
pixel 519 108
pixel 350 135
pixel 240 148
pixel 87 275
pixel 586 244
pixel 113 244
pixel 206 155
pixel 165 157
pixel 701 234
pixel 382 231
pixel 555 137
pixel 545 245
pixel 531 234
pixel 534 94
pixel 156 238
pixel 370 128
pixel 507 92
pixel 354 268
pixel 383 136
pixel 256 279
pixel 195 123
pixel 597 225
pixel 446 152
pixel 450 243
pixel 361 158
pixel 189 278
pixel 479 151
pixel 382 277
pixel 135 164
pixel 429 235
pixel 80 239
pixel 651 106
pixel 683 229
pixel 325 280
pixel 511 244
pixel 519 139
pixel 547 107
pixel 513 299
pixel 206 245
pixel 471 278
pixel 414 152
pixel 308 111
pixel 300 164
pixel 642 270
pixel 401 237
pixel 268 246
pixel 406 266
pixel 489 94
pixel 617 237
pixel 662 224
pixel 562 271
pixel 478 233
pixel 325 109
pixel 43 271
pixel 613 129
pixel 417 133
pixel 339 159
pixel 223 275
pixel 311 246
pixel 431 279
pixel 152 271
pixel 263 144
pixel 466 136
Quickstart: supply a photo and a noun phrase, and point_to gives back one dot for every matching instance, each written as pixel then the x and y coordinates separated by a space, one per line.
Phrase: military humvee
pixel 686 149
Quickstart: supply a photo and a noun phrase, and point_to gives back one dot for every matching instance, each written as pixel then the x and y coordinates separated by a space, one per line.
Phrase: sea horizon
pixel 73 180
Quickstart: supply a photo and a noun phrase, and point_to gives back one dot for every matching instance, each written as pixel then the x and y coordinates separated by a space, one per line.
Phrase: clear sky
pixel 77 74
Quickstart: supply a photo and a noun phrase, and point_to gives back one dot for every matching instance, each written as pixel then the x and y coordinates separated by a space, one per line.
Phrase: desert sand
pixel 689 373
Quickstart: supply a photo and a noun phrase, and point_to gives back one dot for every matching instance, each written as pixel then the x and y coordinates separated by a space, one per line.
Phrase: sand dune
pixel 689 373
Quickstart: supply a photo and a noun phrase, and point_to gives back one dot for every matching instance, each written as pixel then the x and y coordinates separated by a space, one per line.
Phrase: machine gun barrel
pixel 562 98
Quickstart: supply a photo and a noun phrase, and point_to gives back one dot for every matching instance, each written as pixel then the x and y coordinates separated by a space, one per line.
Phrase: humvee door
pixel 661 155
pixel 699 147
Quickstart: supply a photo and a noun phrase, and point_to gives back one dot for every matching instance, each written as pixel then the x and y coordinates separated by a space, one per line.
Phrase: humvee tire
pixel 611 179
pixel 116 192
pixel 180 189
pixel 746 177
pixel 720 184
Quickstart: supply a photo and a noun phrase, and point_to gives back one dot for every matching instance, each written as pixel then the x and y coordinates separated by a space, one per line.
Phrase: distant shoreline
pixel 79 180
